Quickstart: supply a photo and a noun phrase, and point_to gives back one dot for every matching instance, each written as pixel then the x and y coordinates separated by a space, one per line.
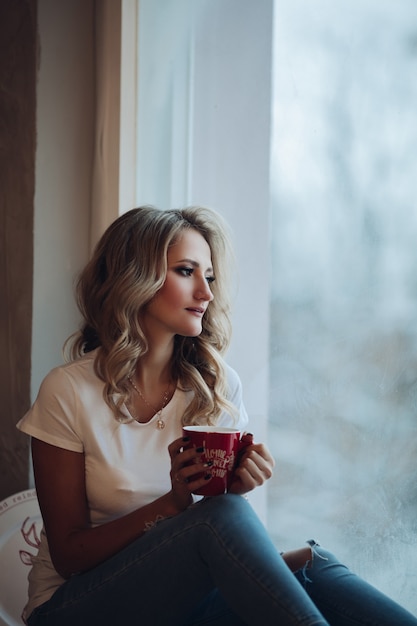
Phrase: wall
pixel 65 130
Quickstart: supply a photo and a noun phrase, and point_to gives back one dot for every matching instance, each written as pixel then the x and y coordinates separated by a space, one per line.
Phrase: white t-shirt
pixel 127 465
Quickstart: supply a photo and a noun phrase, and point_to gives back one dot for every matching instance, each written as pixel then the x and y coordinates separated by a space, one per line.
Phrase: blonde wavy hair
pixel 127 269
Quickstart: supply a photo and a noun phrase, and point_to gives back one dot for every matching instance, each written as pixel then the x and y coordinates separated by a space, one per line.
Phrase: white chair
pixel 20 527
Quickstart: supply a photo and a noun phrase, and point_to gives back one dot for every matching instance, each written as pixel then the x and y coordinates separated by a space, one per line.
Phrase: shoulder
pixel 67 402
pixel 81 369
pixel 70 378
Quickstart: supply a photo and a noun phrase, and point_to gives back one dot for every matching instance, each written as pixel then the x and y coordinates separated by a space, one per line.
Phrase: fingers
pixel 181 454
pixel 260 455
pixel 189 470
pixel 252 475
pixel 177 446
pixel 193 482
pixel 255 467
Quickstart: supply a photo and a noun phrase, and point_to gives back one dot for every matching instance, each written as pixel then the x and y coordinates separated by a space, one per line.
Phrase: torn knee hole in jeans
pixel 301 560
pixel 314 554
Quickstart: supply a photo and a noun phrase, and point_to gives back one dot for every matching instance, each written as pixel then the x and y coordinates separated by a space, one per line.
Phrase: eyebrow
pixel 193 263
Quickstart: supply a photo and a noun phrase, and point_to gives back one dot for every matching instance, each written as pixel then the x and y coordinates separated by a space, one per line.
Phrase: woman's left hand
pixel 255 466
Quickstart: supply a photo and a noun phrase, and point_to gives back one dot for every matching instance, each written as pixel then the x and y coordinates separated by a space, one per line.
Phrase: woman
pixel 124 540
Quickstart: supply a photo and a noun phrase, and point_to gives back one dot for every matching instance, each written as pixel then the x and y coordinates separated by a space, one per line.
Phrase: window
pixel 343 373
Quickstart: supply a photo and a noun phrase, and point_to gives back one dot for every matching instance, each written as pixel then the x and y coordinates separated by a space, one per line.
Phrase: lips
pixel 198 310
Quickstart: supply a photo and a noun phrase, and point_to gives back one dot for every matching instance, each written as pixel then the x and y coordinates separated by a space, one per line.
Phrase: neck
pixel 155 367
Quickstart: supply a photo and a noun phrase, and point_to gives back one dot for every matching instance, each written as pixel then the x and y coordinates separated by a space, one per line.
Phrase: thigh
pixel 151 581
pixel 158 579
pixel 213 611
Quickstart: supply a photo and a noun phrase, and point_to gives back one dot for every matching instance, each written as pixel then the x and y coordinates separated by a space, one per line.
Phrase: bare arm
pixel 61 491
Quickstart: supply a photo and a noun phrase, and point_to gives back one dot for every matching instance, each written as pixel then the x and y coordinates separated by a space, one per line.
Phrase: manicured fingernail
pixel 200 449
pixel 185 439
pixel 207 477
pixel 208 464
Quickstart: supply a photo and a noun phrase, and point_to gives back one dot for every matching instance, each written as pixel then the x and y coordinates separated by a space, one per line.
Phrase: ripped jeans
pixel 214 564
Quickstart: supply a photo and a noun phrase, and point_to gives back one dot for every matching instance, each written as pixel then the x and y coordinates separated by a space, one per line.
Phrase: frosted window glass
pixel 343 378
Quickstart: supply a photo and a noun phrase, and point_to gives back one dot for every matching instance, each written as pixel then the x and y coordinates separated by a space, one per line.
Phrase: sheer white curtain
pixel 105 188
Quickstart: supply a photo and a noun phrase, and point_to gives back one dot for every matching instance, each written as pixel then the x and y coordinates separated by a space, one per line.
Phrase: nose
pixel 203 291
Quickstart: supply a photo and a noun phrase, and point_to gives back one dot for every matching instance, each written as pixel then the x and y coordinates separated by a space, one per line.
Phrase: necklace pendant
pixel 160 424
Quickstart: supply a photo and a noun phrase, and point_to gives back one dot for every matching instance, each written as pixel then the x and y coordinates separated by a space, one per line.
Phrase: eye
pixel 184 271
pixel 210 279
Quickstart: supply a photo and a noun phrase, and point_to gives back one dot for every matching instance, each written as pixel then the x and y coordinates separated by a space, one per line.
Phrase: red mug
pixel 221 448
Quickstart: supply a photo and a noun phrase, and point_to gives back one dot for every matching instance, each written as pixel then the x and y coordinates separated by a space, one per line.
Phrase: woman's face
pixel 179 306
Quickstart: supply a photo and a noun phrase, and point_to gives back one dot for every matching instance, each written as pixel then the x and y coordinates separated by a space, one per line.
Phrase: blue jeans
pixel 215 565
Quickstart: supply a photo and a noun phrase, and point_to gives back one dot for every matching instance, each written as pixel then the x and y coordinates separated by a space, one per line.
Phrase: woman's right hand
pixel 188 472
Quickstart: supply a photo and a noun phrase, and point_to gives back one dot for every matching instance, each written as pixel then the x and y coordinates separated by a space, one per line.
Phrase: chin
pixel 191 333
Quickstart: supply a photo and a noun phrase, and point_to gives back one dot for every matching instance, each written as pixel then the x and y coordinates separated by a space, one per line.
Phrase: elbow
pixel 64 567
pixel 66 562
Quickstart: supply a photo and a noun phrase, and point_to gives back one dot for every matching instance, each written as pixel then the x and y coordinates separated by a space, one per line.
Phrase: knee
pixel 298 559
pixel 227 508
pixel 226 504
pixel 325 563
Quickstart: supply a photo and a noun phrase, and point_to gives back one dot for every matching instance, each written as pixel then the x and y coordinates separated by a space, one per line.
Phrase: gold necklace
pixel 160 424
